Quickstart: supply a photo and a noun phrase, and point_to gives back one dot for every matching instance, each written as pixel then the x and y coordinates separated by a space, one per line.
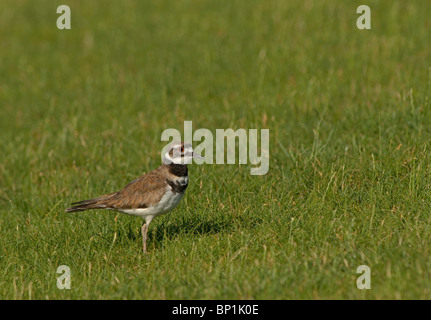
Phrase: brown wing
pixel 143 192
pixel 95 203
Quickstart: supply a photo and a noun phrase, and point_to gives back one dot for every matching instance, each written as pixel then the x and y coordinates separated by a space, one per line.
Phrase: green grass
pixel 82 112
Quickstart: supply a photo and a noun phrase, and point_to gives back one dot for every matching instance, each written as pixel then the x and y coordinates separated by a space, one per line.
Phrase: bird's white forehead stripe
pixel 173 153
pixel 176 150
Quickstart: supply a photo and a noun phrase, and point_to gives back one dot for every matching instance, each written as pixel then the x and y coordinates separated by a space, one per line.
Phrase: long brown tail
pixel 95 203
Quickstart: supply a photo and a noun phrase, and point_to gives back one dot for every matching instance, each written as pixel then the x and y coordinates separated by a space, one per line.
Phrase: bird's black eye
pixel 181 149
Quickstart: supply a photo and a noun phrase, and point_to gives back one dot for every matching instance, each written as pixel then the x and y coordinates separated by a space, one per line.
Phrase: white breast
pixel 168 202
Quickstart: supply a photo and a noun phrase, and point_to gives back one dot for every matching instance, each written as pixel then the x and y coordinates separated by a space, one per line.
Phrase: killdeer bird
pixel 151 195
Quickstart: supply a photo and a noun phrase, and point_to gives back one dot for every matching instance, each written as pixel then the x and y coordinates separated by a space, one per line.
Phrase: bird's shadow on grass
pixel 170 230
pixel 189 227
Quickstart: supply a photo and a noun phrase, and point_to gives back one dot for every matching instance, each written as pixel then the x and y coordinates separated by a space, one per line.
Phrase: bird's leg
pixel 144 231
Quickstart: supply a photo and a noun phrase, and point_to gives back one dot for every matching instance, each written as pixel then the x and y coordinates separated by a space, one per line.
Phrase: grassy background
pixel 82 112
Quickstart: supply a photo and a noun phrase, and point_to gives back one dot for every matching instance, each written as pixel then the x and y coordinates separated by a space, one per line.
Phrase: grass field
pixel 82 112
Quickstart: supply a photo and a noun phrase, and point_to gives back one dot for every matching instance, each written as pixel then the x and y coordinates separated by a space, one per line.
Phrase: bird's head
pixel 179 153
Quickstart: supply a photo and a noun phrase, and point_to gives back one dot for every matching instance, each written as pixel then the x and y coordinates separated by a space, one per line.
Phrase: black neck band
pixel 179 170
